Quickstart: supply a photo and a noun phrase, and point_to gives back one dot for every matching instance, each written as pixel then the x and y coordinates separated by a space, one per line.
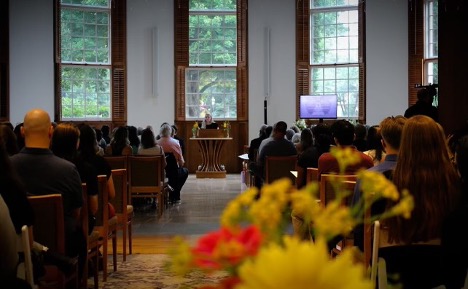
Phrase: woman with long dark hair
pixel 119 145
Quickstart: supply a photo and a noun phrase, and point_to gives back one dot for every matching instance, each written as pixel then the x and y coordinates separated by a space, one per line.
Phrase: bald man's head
pixel 37 128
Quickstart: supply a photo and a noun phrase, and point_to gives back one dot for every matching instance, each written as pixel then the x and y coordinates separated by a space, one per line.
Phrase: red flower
pixel 226 247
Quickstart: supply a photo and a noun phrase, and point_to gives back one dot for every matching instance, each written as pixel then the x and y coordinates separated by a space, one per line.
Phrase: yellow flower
pixel 333 220
pixel 235 211
pixel 376 184
pixel 301 265
pixel 195 125
pixel 304 202
pixel 182 258
pixel 345 157
pixel 404 207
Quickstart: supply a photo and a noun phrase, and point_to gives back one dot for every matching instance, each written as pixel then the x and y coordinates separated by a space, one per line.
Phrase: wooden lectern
pixel 211 141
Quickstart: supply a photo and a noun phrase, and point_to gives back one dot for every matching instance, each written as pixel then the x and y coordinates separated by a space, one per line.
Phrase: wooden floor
pixel 202 203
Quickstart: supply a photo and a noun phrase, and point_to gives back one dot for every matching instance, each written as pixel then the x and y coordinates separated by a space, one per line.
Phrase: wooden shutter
pixel 242 61
pixel 181 54
pixel 4 61
pixel 362 62
pixel 119 62
pixel 415 48
pixel 302 50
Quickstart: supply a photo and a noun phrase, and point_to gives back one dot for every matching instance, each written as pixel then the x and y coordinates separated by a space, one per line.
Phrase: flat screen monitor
pixel 318 106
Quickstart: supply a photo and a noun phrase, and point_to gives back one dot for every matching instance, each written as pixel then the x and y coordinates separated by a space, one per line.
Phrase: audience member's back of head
pixel 343 131
pixel 360 131
pixel 268 131
pixel 64 141
pixel 391 129
pixel 165 130
pixel 425 170
pixel 280 128
pixel 322 137
pixel 88 140
pixel 19 136
pixel 9 139
pixel 289 134
pixel 262 133
pixel 307 140
pixel 133 136
pixel 147 138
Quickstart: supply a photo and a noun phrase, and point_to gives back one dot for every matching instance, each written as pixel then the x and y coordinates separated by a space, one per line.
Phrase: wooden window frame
pixel 118 65
pixel 303 77
pixel 181 57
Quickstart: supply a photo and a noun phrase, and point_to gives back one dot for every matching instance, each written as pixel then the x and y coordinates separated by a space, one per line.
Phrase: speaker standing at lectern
pixel 208 122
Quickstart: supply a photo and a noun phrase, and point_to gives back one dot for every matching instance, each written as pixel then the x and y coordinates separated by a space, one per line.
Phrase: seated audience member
pixel 119 145
pixel 148 145
pixel 100 140
pixel 44 173
pixel 455 228
pixel 374 145
pixel 307 156
pixel 289 134
pixel 9 252
pixel 424 104
pixel 295 128
pixel 296 140
pixel 360 134
pixel 208 122
pixel 178 176
pixel 390 129
pixel 64 144
pixel 14 193
pixel 19 136
pixel 133 139
pixel 279 146
pixel 254 146
pixel 179 139
pixel 427 173
pixel 9 139
pixel 87 156
pixel 343 134
pixel 322 138
pixel 105 130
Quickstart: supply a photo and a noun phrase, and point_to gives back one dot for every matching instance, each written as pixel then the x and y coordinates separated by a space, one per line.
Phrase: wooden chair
pixel 107 228
pixel 49 230
pixel 277 167
pixel 117 162
pixel 312 175
pixel 27 264
pixel 327 192
pixel 123 210
pixel 92 243
pixel 417 265
pixel 146 178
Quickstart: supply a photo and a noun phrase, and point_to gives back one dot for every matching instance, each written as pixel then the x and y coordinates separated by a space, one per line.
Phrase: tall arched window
pixel 330 53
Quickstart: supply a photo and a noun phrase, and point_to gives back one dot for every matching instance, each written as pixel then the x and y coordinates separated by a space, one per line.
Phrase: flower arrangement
pixel 255 252
pixel 301 124
pixel 227 127
pixel 195 129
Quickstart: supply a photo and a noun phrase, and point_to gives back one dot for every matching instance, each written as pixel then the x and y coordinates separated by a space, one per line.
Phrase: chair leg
pixel 114 249
pixel 104 260
pixel 124 241
pixel 130 238
pixel 96 271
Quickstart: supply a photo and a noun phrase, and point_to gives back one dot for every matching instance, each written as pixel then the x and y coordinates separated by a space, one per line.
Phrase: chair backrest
pixel 48 228
pixel 117 162
pixel 84 210
pixel 120 200
pixel 327 189
pixel 145 175
pixel 277 167
pixel 102 213
pixel 312 175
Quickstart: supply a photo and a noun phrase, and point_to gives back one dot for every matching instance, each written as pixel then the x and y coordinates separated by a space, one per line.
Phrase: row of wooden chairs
pixel 145 177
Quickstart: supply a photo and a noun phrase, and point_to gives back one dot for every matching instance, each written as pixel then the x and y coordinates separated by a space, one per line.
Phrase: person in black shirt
pixel 208 122
pixel 424 104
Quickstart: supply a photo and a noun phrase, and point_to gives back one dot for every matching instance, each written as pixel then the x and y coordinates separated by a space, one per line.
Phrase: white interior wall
pixel 31 60
pixel 387 59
